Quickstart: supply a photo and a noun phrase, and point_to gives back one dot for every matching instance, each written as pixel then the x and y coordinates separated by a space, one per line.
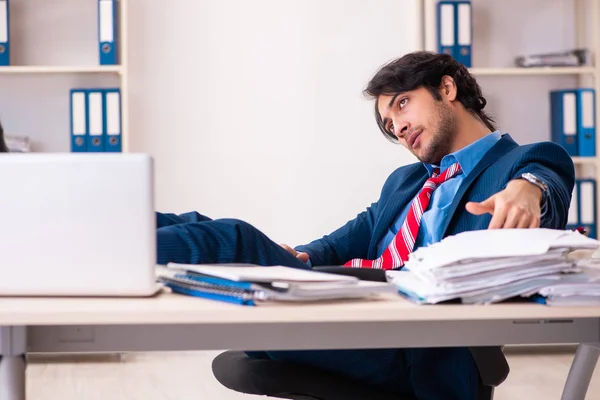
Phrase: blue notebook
pixel 237 294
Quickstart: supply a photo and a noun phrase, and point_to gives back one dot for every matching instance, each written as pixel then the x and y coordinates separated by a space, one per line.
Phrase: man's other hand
pixel 517 206
pixel 300 256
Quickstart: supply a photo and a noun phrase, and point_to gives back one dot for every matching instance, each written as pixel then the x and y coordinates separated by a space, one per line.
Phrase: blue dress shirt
pixel 435 215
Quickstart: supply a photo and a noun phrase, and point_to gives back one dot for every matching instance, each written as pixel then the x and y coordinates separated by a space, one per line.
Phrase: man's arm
pixel 521 203
pixel 350 241
pixel 354 238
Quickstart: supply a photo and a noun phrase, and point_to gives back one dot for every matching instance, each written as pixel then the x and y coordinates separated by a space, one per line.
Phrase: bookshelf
pixel 585 26
pixel 533 71
pixel 54 48
pixel 60 69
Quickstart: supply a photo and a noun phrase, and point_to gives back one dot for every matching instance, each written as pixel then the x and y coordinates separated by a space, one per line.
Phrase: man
pixel 469 177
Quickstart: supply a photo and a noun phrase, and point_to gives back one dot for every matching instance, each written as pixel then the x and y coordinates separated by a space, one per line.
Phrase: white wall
pixel 254 109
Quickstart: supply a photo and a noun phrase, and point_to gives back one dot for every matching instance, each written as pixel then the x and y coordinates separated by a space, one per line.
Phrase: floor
pixel 183 376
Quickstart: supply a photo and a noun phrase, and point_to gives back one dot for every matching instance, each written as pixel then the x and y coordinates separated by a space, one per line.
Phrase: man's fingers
pixel 525 222
pixel 515 217
pixel 483 207
pixel 498 218
pixel 289 249
pixel 535 222
pixel 302 257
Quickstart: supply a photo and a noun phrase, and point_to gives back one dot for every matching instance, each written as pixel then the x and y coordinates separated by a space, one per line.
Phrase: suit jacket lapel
pixel 504 145
pixel 402 196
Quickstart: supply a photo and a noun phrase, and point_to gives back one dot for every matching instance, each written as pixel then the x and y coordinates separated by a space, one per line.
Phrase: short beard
pixel 444 129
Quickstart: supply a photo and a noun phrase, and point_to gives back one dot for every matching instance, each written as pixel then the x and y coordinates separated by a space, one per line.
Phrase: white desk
pixel 172 323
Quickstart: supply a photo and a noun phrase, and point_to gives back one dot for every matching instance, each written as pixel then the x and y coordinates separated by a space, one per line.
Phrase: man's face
pixel 423 125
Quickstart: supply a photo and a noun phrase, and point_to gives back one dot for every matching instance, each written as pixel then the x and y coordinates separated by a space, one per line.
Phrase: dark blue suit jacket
pixel 503 162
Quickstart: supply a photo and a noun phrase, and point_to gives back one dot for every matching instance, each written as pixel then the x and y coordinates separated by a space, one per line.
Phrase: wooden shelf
pixel 585 160
pixel 533 71
pixel 60 69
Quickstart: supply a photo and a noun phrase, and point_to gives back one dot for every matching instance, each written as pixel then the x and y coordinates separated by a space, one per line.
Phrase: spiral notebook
pixel 254 287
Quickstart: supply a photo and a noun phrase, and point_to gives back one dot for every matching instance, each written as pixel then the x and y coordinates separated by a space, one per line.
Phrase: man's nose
pixel 401 130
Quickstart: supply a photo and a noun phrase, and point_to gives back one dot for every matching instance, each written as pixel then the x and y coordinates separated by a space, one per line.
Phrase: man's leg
pixel 166 219
pixel 217 242
pixel 443 373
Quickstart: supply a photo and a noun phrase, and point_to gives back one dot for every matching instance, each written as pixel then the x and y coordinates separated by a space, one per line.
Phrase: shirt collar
pixel 468 156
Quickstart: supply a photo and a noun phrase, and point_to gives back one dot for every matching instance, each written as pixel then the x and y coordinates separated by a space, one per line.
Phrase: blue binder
pixel 95 100
pixel 446 28
pixel 563 119
pixel 112 120
pixel 108 32
pixel 587 205
pixel 464 35
pixel 454 30
pixel 4 33
pixel 79 120
pixel 586 122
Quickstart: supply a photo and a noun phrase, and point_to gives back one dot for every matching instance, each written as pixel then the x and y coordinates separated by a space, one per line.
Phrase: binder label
pixel 95 108
pixel 587 202
pixel 447 25
pixel 78 113
pixel 464 24
pixel 113 115
pixel 587 109
pixel 573 219
pixel 3 21
pixel 569 114
pixel 106 21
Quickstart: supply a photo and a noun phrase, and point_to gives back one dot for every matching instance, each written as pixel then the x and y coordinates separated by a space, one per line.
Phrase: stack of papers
pixel 251 284
pixel 488 266
pixel 581 289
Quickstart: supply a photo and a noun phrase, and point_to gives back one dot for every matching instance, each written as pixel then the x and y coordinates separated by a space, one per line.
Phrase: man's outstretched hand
pixel 300 256
pixel 517 206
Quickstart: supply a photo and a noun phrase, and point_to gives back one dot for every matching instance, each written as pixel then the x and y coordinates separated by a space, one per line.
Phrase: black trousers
pixel 283 379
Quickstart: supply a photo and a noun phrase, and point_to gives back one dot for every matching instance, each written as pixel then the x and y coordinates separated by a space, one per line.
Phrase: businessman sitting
pixel 470 176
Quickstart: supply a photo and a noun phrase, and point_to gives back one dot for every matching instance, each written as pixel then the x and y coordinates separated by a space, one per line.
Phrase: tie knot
pixel 450 172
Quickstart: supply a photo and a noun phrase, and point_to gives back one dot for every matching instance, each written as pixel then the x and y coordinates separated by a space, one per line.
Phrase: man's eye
pixel 391 128
pixel 402 102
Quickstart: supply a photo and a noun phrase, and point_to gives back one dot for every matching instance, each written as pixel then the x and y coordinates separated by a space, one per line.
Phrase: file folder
pixel 563 120
pixel 108 32
pixel 112 120
pixel 587 206
pixel 79 120
pixel 586 122
pixel 4 33
pixel 446 28
pixel 95 141
pixel 464 33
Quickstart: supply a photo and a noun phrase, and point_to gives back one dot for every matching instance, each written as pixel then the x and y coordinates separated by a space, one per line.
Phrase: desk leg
pixel 13 343
pixel 581 371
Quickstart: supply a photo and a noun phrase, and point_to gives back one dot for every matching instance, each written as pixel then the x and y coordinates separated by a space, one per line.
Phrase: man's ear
pixel 448 88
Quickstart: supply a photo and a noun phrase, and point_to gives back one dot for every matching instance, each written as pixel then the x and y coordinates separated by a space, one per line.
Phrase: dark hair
pixel 426 69
pixel 3 147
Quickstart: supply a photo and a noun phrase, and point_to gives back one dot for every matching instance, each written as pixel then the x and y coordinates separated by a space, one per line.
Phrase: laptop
pixel 77 224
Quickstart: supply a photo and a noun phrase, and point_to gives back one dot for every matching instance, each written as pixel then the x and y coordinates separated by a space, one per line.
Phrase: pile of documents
pixel 249 284
pixel 489 266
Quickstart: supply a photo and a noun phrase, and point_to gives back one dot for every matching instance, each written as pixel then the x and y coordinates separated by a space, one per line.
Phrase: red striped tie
pixel 398 250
